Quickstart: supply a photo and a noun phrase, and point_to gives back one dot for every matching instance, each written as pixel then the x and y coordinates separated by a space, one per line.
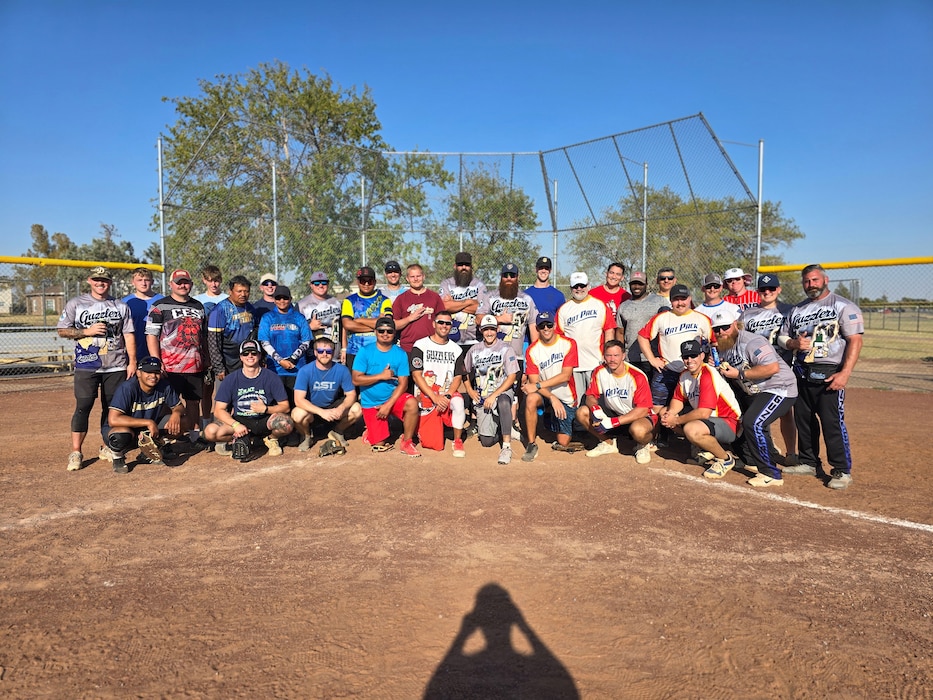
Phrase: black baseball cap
pixel 679 290
pixel 543 264
pixel 366 273
pixel 250 345
pixel 768 279
pixel 282 291
pixel 462 258
pixel 393 266
pixel 149 363
pixel 385 322
pixel 691 348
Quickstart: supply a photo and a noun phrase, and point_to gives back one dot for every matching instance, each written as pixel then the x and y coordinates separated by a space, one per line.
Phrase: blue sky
pixel 841 93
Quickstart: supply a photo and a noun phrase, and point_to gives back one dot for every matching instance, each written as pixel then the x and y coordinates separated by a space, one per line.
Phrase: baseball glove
pixel 150 447
pixel 241 448
pixel 331 447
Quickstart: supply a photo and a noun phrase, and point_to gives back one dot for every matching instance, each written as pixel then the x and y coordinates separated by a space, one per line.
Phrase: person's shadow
pixel 496 669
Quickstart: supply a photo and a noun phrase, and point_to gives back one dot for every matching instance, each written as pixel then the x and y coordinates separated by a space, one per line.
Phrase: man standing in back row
pixel 825 331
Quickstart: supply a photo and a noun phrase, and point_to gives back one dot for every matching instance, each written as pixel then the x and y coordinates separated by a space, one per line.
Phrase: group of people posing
pixel 218 371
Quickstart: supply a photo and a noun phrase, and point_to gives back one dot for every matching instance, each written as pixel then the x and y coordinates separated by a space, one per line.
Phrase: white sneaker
pixel 505 454
pixel 604 448
pixel 643 454
pixel 272 443
pixel 761 481
pixel 105 454
pixel 75 460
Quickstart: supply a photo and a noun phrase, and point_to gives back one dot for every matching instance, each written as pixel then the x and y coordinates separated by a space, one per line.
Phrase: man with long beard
pixel 463 294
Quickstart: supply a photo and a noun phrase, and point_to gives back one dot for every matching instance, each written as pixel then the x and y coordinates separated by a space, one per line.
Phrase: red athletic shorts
pixel 378 430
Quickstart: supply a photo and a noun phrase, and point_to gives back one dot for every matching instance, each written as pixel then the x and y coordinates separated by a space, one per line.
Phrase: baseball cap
pixel 510 268
pixel 638 277
pixel 734 273
pixel 181 276
pixel 101 273
pixel 462 258
pixel 149 364
pixel 544 317
pixel 724 317
pixel 768 280
pixel 393 266
pixel 488 321
pixel 385 322
pixel 543 264
pixel 691 348
pixel 282 291
pixel 250 345
pixel 268 277
pixel 712 278
pixel 679 290
pixel 319 277
pixel 578 278
pixel 366 272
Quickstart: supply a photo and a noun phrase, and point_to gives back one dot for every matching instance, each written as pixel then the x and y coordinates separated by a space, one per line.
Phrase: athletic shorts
pixel 190 387
pixel 720 430
pixel 256 425
pixel 561 426
pixel 377 430
pixel 663 384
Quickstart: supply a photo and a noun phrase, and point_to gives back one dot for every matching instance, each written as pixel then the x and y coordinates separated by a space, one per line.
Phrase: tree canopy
pixel 333 177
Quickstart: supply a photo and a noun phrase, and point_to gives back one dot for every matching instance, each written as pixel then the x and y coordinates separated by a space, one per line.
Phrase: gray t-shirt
pixel 828 322
pixel 751 350
pixel 632 315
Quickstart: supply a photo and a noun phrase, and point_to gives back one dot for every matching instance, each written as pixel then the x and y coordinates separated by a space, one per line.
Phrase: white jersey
pixel 327 311
pixel 105 353
pixel 586 322
pixel 443 361
pixel 464 328
pixel 523 310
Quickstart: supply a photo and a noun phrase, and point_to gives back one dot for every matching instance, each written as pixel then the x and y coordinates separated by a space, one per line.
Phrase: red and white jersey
pixel 672 330
pixel 621 393
pixel 746 300
pixel 586 322
pixel 612 299
pixel 547 361
pixel 709 390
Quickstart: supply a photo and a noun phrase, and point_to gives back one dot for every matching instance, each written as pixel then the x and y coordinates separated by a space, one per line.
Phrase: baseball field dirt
pixel 381 576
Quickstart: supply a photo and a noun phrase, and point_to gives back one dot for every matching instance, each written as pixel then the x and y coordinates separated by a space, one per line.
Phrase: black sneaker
pixel 119 465
pixel 530 452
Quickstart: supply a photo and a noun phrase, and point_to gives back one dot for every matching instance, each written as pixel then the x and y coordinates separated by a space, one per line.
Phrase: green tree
pixel 493 219
pixel 333 176
pixel 694 236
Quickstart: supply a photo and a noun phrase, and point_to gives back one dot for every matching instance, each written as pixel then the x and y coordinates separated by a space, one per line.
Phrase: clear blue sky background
pixel 841 92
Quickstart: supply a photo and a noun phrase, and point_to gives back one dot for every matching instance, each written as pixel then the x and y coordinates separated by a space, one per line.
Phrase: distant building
pixel 49 301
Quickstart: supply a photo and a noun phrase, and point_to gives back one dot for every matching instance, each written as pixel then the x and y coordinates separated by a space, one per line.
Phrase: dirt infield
pixel 379 576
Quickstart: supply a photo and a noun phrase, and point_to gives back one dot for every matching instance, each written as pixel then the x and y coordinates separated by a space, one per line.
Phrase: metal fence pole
pixel 644 221
pixel 761 161
pixel 161 216
pixel 275 226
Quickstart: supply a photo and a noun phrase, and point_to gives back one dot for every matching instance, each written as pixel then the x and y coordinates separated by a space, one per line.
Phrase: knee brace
pixel 120 442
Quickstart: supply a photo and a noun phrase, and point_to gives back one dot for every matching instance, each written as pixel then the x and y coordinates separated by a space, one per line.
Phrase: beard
pixel 726 342
pixel 638 292
pixel 463 277
pixel 508 288
pixel 579 294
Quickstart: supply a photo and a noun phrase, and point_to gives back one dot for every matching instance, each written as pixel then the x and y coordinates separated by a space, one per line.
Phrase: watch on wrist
pixel 537 385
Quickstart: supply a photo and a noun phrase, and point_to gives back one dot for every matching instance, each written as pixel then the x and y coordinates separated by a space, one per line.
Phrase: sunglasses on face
pixel 319 284
pixel 509 275
pixel 279 298
pixel 248 353
pixel 545 325
pixel 713 286
pixel 580 286
pixel 444 323
pixel 721 329
pixel 688 357
pixel 367 280
pixel 270 283
pixel 324 351
pixel 666 278
pixel 384 330
pixel 767 289
pixel 463 265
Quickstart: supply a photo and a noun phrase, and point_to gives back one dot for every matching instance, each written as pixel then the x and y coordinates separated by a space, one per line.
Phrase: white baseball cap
pixel 578 278
pixel 733 273
pixel 488 321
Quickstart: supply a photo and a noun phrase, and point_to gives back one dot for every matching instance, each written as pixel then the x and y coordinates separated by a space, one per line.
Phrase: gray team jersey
pixel 490 365
pixel 327 311
pixel 828 322
pixel 98 354
pixel 751 350
pixel 523 310
pixel 464 328
pixel 768 323
pixel 632 315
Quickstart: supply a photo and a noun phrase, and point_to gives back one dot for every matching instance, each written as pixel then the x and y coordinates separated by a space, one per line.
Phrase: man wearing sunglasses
pixel 463 294
pixel 712 297
pixel 713 414
pixel 250 402
pixel 440 358
pixel 176 333
pixel 325 397
pixel 381 371
pixel 360 311
pixel 587 321
pixel 323 312
pixel 549 364
pixel 737 281
pixel 266 303
pixel 766 387
pixel 766 320
pixel 632 316
pixel 285 336
pixel 666 280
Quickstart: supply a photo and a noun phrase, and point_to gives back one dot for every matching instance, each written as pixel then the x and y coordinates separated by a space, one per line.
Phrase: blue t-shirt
pixel 547 299
pixel 371 360
pixel 139 309
pixel 132 401
pixel 323 387
pixel 239 391
pixel 285 334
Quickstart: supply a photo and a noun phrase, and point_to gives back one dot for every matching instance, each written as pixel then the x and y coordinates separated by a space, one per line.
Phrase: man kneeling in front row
pixel 250 401
pixel 619 396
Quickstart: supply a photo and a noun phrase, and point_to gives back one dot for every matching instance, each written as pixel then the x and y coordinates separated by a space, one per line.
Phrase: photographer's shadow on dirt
pixel 482 661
